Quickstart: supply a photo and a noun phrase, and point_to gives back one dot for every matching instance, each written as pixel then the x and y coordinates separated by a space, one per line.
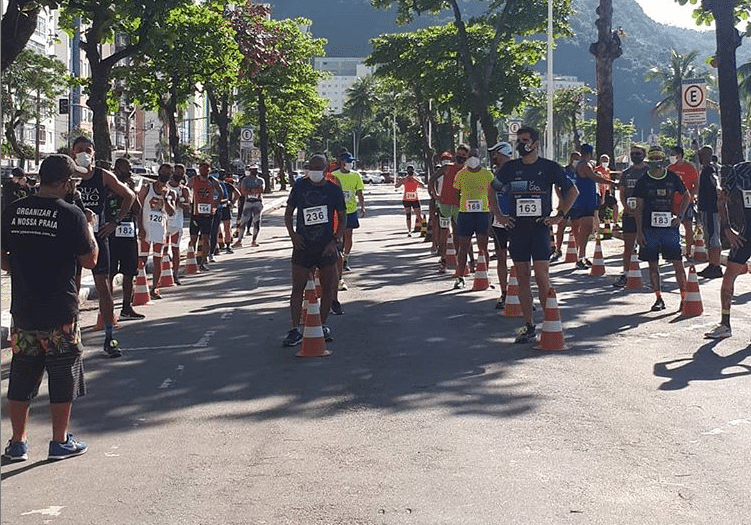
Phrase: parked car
pixel 372 178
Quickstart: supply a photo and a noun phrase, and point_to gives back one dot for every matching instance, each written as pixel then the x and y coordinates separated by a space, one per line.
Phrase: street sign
pixel 694 102
pixel 513 128
pixel 64 106
pixel 246 138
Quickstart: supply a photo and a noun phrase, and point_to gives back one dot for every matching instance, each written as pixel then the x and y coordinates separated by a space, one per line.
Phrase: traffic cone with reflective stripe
pixel 308 295
pixel 692 305
pixel 633 276
pixel 700 250
pixel 191 266
pixel 313 341
pixel 481 281
pixel 450 253
pixel 166 280
pixel 571 253
pixel 513 306
pixel 551 337
pixel 317 280
pixel 141 288
pixel 598 262
pixel 100 323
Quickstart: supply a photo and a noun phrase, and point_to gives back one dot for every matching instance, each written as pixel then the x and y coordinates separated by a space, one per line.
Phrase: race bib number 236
pixel 315 215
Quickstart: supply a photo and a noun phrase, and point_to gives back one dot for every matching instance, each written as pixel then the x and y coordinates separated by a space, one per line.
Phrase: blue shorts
pixel 529 240
pixel 352 221
pixel 665 241
pixel 578 213
pixel 469 223
pixel 500 236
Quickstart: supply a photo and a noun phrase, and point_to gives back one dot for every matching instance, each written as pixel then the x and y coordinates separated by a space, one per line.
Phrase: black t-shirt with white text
pixel 315 210
pixel 530 186
pixel 44 236
pixel 657 194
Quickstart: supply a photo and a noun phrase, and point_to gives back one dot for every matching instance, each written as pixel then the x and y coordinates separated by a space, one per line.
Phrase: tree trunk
pixel 606 50
pixel 17 28
pixel 97 101
pixel 222 121
pixel 728 39
pixel 170 109
pixel 263 137
pixel 473 142
pixel 10 135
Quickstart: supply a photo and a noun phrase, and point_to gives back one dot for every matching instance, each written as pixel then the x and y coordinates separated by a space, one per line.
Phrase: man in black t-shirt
pixel 656 226
pixel 314 240
pixel 706 203
pixel 43 240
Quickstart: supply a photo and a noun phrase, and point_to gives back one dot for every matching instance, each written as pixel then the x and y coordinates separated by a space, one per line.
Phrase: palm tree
pixel 670 78
pixel 744 90
pixel 361 100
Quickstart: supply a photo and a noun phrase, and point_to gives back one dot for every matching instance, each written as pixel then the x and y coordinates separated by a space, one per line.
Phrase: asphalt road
pixel 426 413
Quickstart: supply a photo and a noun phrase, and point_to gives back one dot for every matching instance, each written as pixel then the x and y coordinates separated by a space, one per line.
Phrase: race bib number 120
pixel 529 207
pixel 661 219
pixel 315 215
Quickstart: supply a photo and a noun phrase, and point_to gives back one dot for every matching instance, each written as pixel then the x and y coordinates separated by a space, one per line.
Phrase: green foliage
pixel 741 12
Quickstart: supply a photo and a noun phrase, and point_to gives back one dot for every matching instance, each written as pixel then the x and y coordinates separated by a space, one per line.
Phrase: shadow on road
pixel 704 365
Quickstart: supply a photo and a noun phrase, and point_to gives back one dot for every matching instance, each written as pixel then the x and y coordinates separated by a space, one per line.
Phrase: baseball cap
pixel 446 155
pixel 346 157
pixel 59 167
pixel 655 153
pixel 502 147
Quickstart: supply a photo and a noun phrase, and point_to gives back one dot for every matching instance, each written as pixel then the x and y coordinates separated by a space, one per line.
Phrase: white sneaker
pixel 719 332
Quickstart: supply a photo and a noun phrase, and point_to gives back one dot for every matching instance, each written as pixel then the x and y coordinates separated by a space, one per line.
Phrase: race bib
pixel 529 207
pixel 747 198
pixel 631 184
pixel 315 215
pixel 204 209
pixel 156 217
pixel 95 225
pixel 631 202
pixel 444 222
pixel 411 196
pixel 348 195
pixel 125 229
pixel 661 219
pixel 474 206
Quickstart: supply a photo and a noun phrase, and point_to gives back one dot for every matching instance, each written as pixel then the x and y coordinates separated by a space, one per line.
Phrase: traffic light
pixel 64 106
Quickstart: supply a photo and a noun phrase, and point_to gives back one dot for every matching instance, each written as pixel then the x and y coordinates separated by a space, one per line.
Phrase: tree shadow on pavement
pixel 704 365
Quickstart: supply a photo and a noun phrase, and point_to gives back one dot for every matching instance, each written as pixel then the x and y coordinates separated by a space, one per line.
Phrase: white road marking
pixel 204 341
pixel 49 511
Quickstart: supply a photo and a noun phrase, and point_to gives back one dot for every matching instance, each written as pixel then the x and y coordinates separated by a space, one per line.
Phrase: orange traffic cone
pixel 167 279
pixel 513 306
pixel 141 288
pixel 100 323
pixel 191 266
pixel 633 276
pixel 317 280
pixel 450 253
pixel 700 250
pixel 598 263
pixel 481 281
pixel 571 253
pixel 313 341
pixel 692 305
pixel 308 295
pixel 551 337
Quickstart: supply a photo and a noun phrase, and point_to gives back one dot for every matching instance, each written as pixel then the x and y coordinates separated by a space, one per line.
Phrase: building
pixel 344 72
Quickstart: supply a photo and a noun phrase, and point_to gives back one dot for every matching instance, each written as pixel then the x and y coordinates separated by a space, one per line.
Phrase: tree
pixel 671 79
pixel 360 104
pixel 18 24
pixel 132 21
pixel 726 14
pixel 508 19
pixel 30 88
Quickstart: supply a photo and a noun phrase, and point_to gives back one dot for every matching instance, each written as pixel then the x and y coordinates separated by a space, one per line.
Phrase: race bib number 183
pixel 661 219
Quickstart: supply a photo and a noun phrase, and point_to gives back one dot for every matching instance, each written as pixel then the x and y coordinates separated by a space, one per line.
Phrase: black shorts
pixel 103 262
pixel 500 237
pixel 580 213
pixel 629 224
pixel 313 258
pixel 411 204
pixel 200 224
pixel 529 240
pixel 123 256
pixel 742 254
pixel 226 213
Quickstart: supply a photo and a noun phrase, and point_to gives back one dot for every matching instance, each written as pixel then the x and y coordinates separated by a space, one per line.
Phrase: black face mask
pixel 636 158
pixel 460 159
pixel 521 148
pixel 164 179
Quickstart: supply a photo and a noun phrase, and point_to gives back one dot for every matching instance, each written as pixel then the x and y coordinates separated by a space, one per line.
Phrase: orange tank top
pixel 204 204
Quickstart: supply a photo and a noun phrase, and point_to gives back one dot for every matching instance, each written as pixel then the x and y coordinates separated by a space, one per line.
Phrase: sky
pixel 671 13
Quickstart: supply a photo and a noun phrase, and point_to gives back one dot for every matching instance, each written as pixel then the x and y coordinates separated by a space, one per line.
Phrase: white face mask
pixel 83 159
pixel 605 164
pixel 247 173
pixel 315 176
pixel 473 163
pixel 445 162
pixel 673 159
pixel 347 166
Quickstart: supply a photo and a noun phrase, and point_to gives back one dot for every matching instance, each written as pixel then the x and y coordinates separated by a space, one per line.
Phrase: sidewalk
pixel 275 200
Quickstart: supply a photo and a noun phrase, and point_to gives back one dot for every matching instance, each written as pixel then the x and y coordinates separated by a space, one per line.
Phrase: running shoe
pixel 710 272
pixel 720 331
pixel 238 244
pixel 501 303
pixel 346 267
pixel 581 265
pixel 112 347
pixel 229 249
pixel 336 307
pixel 659 305
pixel 294 337
pixel 409 234
pixel 128 314
pixel 177 280
pixel 459 283
pixel 204 267
pixel 16 451
pixel 587 262
pixel 557 254
pixel 442 266
pixel 525 334
pixel 154 294
pixel 327 333
pixel 68 449
pixel 621 282
pixel 342 285
pixel 211 259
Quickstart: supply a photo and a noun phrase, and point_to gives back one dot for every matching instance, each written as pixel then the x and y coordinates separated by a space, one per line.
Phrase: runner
pixel 498 199
pixel 93 189
pixel 204 207
pixel 181 198
pixel 626 195
pixel 435 188
pixel 314 241
pixel 734 203
pixel 352 186
pixel 690 177
pixel 570 172
pixel 606 199
pixel 709 188
pixel 410 200
pixel 530 180
pixel 157 206
pixel 251 190
pixel 472 183
pixel 233 195
pixel 656 225
pixel 124 241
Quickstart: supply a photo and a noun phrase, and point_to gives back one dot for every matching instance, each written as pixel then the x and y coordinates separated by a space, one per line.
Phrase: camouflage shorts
pixel 63 340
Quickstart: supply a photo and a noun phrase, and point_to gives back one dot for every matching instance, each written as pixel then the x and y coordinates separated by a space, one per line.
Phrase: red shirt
pixel 410 190
pixel 448 194
pixel 203 195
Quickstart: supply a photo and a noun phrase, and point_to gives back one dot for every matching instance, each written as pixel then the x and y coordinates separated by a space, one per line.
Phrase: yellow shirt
pixel 474 190
pixel 351 182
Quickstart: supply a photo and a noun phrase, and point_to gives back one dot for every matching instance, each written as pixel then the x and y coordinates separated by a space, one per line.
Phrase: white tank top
pixel 154 217
pixel 175 222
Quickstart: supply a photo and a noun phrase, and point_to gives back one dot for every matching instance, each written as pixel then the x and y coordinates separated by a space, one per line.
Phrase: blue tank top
pixel 587 198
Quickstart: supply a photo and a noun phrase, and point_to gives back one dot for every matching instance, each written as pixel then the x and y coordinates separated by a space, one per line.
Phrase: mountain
pixel 348 25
